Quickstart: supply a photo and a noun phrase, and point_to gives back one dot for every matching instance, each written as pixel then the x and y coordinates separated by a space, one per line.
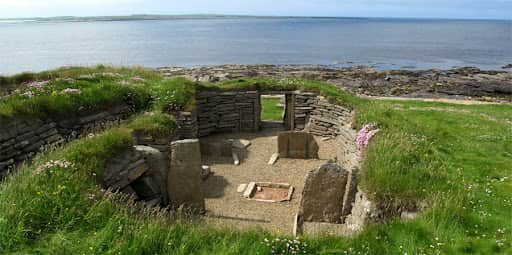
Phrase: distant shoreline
pixel 142 17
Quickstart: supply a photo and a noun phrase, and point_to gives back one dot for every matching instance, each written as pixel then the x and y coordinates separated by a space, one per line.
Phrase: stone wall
pixel 318 116
pixel 233 111
pixel 187 125
pixel 303 103
pixel 22 139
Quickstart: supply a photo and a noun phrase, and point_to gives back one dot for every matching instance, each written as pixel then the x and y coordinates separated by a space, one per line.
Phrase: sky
pixel 465 9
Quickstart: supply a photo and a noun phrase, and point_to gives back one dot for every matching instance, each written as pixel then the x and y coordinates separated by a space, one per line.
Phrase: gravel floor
pixel 226 207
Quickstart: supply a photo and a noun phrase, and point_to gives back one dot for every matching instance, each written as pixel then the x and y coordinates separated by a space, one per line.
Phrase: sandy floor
pixel 226 207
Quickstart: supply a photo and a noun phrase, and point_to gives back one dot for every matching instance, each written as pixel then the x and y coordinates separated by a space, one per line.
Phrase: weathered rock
pixel 236 160
pixel 241 143
pixel 322 197
pixel 300 145
pixel 205 172
pixel 222 148
pixel 158 170
pixel 184 178
pixel 249 189
pixel 273 158
pixel 363 211
pixel 350 192
pixel 241 188
pixel 434 83
pixel 408 215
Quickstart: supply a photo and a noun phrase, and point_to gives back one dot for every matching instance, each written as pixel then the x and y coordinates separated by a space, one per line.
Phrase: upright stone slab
pixel 300 145
pixel 158 169
pixel 184 178
pixel 322 197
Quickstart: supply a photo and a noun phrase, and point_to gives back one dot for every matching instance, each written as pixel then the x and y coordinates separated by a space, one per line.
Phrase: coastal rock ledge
pixel 460 83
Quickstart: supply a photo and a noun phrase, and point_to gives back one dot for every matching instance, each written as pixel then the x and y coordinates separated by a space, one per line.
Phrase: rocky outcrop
pixel 434 83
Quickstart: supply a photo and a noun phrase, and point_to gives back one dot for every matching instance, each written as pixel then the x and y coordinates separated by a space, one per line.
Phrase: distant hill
pixel 129 17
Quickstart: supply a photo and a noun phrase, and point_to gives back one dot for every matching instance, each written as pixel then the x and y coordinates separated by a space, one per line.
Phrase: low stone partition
pixel 21 139
pixel 232 111
pixel 299 145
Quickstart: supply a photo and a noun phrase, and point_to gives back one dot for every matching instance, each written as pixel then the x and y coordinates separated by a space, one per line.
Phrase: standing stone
pixel 184 178
pixel 300 145
pixel 322 197
pixel 350 191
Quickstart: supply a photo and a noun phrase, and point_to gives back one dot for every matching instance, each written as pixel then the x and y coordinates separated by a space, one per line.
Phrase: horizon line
pixel 156 16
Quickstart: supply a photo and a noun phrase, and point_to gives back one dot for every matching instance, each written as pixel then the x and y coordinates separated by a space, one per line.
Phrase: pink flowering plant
pixel 138 79
pixel 365 135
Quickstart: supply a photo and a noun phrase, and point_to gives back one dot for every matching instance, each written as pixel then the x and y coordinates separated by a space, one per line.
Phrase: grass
pixel 452 161
pixel 270 109
pixel 154 124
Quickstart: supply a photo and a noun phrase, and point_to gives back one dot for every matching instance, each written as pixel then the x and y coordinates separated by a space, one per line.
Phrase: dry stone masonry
pixel 168 170
pixel 22 139
pixel 232 111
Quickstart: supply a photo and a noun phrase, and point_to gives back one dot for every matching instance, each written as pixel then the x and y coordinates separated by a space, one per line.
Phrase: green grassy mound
pixel 454 160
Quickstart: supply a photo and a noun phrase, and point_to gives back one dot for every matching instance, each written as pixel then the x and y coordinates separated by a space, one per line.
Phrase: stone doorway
pixel 275 111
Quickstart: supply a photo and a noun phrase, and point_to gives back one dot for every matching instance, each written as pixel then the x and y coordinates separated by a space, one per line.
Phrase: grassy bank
pixel 270 109
pixel 454 162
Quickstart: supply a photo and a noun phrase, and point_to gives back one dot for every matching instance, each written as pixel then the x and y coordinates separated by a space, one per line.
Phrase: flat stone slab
pixel 241 143
pixel 269 192
pixel 241 188
pixel 273 158
pixel 249 190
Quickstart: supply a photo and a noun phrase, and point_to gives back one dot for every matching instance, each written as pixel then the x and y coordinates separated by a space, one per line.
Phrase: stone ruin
pixel 168 171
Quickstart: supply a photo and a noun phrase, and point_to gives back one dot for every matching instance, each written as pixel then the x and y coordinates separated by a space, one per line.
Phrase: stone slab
pixel 184 177
pixel 322 197
pixel 300 145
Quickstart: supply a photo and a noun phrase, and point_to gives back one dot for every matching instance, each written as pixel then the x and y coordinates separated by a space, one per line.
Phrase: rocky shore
pixel 461 83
